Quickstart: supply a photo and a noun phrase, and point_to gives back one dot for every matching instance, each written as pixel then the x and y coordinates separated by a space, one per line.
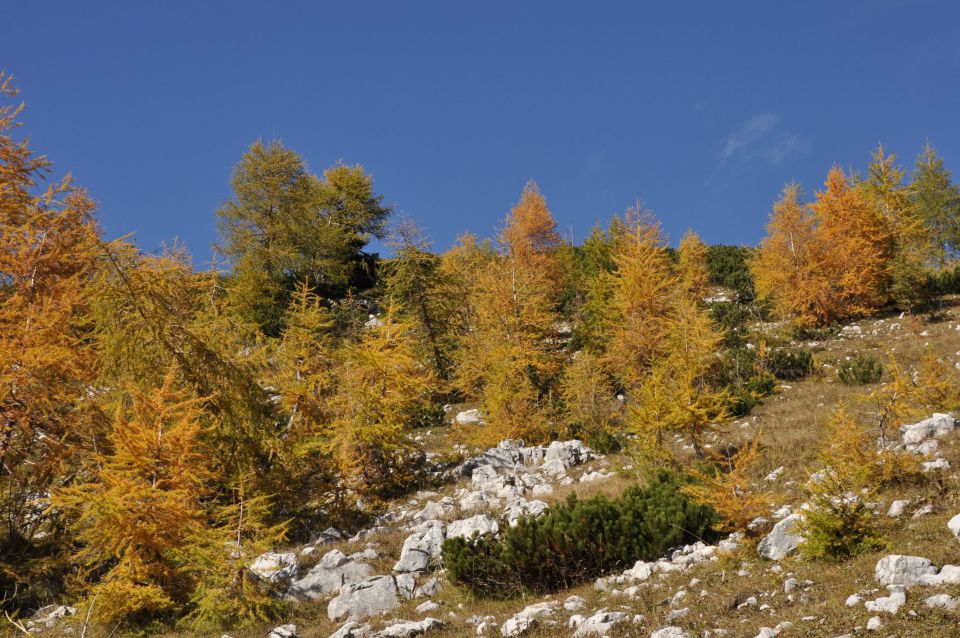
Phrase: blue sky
pixel 702 110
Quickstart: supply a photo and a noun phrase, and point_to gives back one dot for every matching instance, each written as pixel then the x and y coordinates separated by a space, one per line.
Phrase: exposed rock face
pixel 333 571
pixel 465 528
pixel 670 632
pixel 275 568
pixel 903 570
pixel 420 548
pixel 782 540
pixel 371 597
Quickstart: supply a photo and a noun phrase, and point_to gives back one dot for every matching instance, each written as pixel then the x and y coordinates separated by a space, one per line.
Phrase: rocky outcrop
pixel 372 597
pixel 333 571
pixel 421 548
pixel 480 525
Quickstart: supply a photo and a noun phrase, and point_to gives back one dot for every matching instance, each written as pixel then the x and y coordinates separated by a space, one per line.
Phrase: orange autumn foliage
pixel 824 261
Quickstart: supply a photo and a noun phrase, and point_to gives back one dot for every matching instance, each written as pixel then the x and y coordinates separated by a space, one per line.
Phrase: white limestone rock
pixel 409 629
pixel 897 508
pixel 334 570
pixel 935 426
pixel 942 601
pixel 275 568
pixel 890 604
pixel 902 570
pixel 469 417
pixel 600 623
pixel 420 548
pixel 283 631
pixel 954 526
pixel 371 597
pixel 782 540
pixel 529 616
pixel 480 524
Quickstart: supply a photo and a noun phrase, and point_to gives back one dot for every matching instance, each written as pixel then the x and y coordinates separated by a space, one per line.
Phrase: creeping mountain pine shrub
pixel 578 541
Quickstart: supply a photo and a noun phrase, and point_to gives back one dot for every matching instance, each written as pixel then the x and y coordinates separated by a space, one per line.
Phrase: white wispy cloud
pixel 761 137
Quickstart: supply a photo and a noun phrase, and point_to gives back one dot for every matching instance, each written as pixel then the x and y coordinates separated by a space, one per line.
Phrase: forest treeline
pixel 163 426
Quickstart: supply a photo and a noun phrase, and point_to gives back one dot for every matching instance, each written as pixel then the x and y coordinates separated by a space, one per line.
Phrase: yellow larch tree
pixel 379 383
pixel 857 244
pixel 510 353
pixel 784 266
pixel 730 491
pixel 692 265
pixel 642 289
pixel 49 251
pixel 138 503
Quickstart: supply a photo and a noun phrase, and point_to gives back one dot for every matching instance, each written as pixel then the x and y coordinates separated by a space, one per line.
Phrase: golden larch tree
pixel 692 265
pixel 140 502
pixel 643 285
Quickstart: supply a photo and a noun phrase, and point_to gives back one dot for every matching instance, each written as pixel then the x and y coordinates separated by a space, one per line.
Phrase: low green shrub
pixel 861 369
pixel 789 364
pixel 577 541
pixel 727 266
pixel 806 333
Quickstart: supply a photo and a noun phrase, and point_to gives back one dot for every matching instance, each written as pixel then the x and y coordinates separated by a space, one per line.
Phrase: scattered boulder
pixel 782 540
pixel 523 620
pixel 409 629
pixel 954 526
pixel 420 548
pixel 600 623
pixel 275 567
pixel 465 528
pixel 371 597
pixel 426 607
pixel 942 601
pixel 554 469
pixel 897 508
pixel 670 632
pixel 903 570
pixel 329 535
pixel 47 617
pixel 352 630
pixel 283 631
pixel 521 508
pixel 938 464
pixel 469 417
pixel 571 452
pixel 933 427
pixel 334 570
pixel 435 510
pixel 431 587
pixel 574 603
pixel 890 604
